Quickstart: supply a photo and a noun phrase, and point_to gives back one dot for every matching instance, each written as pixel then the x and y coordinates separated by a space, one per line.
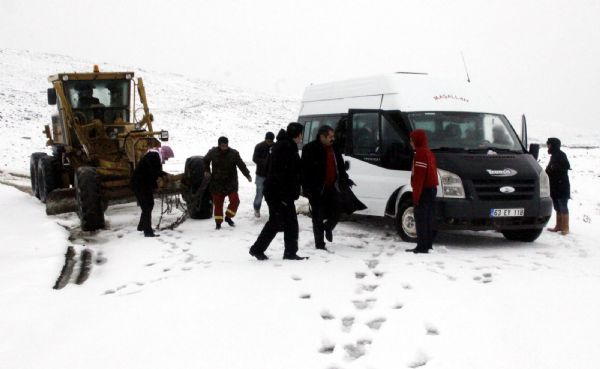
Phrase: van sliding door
pixel 378 155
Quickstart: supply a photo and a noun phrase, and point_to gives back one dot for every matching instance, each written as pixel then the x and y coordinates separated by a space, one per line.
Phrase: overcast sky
pixel 537 57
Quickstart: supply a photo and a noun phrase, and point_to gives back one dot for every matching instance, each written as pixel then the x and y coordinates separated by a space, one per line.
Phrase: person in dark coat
pixel 560 187
pixel 224 180
pixel 323 174
pixel 144 182
pixel 282 188
pixel 424 181
pixel 260 156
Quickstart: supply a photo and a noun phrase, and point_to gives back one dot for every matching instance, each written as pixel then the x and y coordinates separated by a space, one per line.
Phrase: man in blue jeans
pixel 261 154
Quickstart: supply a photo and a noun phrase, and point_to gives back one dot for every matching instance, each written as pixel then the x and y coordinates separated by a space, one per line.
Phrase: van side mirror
pixel 51 96
pixel 534 150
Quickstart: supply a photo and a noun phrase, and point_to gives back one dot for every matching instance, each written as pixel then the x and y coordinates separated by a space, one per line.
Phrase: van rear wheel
pixel 523 235
pixel 405 221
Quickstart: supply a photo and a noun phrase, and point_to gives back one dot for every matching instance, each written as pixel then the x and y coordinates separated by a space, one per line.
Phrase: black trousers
pixel 325 210
pixel 424 218
pixel 282 215
pixel 145 200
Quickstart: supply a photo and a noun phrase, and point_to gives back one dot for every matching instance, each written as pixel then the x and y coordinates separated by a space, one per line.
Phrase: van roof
pixel 406 92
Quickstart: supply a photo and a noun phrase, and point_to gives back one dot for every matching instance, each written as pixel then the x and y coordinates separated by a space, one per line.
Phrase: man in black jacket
pixel 261 154
pixel 282 188
pixel 144 182
pixel 560 187
pixel 323 174
pixel 225 162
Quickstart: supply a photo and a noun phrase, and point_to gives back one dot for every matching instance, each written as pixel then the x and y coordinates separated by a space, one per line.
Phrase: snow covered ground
pixel 194 298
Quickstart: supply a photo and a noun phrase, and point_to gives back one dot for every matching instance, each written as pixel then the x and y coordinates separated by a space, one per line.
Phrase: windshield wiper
pixel 495 149
pixel 450 149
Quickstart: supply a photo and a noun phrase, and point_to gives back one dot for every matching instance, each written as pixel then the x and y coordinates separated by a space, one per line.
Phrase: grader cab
pixel 97 139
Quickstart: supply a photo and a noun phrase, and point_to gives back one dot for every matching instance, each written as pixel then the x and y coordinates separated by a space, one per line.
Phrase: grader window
pixel 106 100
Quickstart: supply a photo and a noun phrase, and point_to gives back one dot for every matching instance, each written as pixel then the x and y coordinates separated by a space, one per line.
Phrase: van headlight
pixel 452 186
pixel 544 184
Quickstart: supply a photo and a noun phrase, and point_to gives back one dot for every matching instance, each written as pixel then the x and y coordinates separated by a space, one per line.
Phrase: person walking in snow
pixel 424 181
pixel 144 182
pixel 260 156
pixel 323 176
pixel 282 188
pixel 560 187
pixel 224 180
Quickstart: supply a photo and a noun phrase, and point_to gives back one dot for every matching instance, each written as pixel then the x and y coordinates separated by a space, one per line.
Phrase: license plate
pixel 497 213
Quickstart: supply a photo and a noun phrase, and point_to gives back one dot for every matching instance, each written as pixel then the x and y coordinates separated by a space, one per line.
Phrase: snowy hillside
pixel 194 298
pixel 196 112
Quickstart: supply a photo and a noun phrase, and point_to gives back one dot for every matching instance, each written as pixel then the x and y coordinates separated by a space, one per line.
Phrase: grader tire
pixel 48 176
pixel 89 199
pixel 33 171
pixel 196 195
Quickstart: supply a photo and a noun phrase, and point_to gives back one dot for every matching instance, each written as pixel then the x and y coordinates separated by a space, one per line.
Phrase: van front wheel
pixel 405 221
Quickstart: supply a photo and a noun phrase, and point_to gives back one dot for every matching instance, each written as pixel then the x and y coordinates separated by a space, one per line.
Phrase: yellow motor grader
pixel 97 141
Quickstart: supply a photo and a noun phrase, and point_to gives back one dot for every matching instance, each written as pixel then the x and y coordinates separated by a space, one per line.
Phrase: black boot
pixel 150 233
pixel 328 234
pixel 218 226
pixel 417 250
pixel 294 257
pixel 229 221
pixel 322 247
pixel 259 255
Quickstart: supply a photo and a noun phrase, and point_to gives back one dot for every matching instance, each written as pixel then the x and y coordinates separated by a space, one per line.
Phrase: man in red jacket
pixel 424 181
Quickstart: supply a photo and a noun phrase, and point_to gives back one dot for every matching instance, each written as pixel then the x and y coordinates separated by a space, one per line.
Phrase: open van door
pixel 534 149
pixel 524 130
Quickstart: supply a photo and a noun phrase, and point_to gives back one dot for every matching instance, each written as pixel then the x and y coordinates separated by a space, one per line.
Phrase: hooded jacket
pixel 424 169
pixel 558 171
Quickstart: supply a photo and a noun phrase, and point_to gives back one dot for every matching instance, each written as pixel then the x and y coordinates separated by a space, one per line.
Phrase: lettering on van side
pixel 453 97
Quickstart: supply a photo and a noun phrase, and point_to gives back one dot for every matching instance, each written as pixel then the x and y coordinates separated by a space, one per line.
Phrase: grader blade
pixel 62 200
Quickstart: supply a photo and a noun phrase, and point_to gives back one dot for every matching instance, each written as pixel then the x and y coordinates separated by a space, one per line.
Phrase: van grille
pixel 489 189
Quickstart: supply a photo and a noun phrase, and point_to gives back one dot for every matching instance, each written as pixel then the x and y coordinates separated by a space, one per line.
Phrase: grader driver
pixel 96 142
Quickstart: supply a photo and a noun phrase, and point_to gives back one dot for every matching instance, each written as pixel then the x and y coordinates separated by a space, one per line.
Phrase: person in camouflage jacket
pixel 221 163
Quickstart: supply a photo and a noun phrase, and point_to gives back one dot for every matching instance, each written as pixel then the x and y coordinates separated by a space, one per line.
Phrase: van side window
pixel 396 151
pixel 365 134
pixel 306 133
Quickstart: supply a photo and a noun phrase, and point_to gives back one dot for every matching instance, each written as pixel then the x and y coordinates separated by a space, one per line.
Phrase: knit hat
pixel 223 140
pixel 166 153
pixel 270 136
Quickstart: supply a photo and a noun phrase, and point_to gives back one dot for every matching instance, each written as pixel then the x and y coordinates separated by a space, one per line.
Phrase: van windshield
pixel 472 132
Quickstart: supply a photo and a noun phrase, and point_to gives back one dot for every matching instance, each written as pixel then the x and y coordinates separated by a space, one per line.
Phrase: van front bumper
pixel 465 214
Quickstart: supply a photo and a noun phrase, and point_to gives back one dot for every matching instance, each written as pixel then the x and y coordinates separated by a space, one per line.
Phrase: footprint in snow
pixel 326 315
pixel 363 304
pixel 354 351
pixel 296 277
pixel 406 286
pixel 398 306
pixel 375 324
pixel 327 347
pixel 347 323
pixel 431 329
pixel 372 264
pixel 369 287
pixel 359 275
pixel 421 359
pixel 305 296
